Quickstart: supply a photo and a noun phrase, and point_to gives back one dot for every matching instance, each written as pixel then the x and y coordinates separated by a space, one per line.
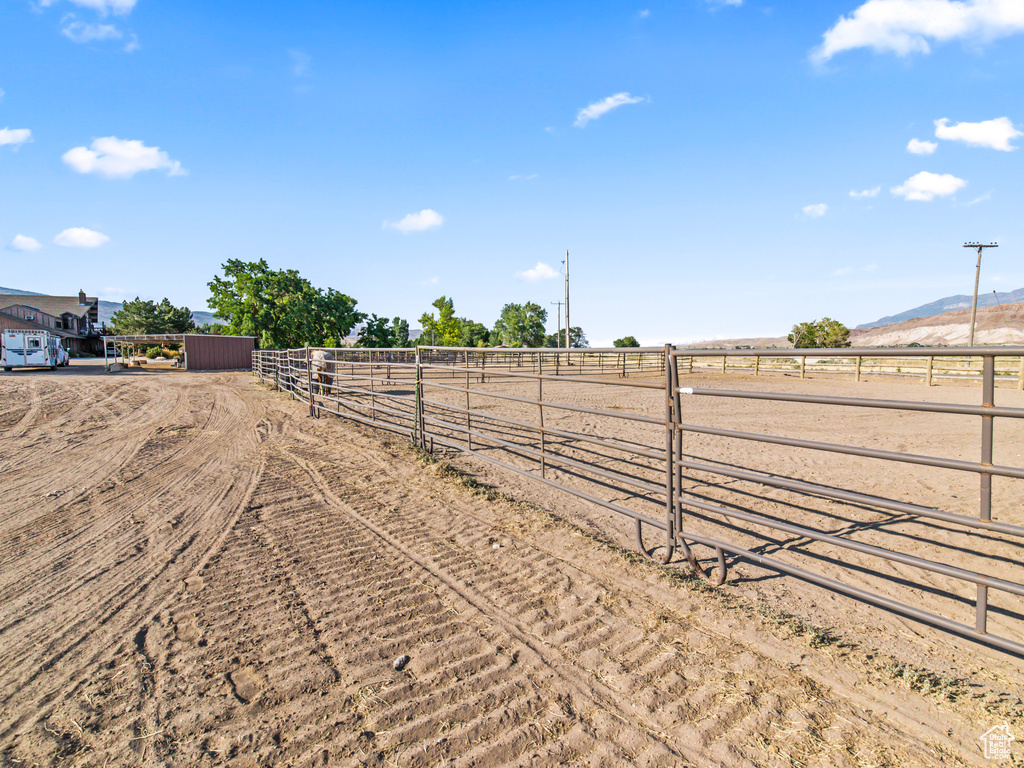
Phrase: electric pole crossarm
pixel 977 279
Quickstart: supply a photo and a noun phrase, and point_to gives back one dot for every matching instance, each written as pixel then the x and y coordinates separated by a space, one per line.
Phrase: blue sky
pixel 696 158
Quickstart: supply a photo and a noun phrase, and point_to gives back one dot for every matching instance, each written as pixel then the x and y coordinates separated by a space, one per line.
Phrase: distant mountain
pixel 21 293
pixel 949 304
pixel 108 308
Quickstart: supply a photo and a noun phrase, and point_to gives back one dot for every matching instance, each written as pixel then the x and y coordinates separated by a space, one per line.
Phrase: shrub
pixel 153 352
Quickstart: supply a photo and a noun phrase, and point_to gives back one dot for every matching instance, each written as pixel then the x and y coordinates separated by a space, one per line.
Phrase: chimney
pixel 81 297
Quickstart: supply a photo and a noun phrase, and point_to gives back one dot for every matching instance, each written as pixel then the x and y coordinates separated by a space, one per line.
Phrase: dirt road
pixel 192 572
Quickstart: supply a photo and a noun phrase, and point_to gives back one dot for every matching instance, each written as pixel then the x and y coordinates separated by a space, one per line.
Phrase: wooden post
pixel 931 361
pixel 803 366
pixel 859 359
pixel 724 358
pixel 1020 377
pixel 757 364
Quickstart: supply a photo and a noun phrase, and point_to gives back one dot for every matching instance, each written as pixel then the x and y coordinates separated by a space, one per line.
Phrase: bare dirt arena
pixel 193 572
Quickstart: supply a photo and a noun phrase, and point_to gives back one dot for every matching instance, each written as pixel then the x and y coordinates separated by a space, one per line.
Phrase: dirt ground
pixel 193 572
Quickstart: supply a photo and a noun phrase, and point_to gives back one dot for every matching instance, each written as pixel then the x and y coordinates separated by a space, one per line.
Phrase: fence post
pixel 757 364
pixel 1020 377
pixel 469 423
pixel 671 418
pixel 416 427
pixel 803 366
pixel 859 359
pixel 931 361
pixel 724 358
pixel 309 381
pixel 988 378
pixel 540 408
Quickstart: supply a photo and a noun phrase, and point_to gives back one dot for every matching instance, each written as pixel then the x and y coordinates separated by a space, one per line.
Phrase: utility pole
pixel 567 324
pixel 559 336
pixel 977 277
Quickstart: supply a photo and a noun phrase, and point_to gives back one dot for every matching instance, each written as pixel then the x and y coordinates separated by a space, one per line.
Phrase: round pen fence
pixel 642 433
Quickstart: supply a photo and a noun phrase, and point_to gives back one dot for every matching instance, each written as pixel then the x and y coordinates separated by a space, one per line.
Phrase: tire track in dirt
pixel 238 596
pixel 697 688
pixel 104 571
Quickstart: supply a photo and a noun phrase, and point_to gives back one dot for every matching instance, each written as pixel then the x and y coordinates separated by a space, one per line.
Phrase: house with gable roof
pixel 75 319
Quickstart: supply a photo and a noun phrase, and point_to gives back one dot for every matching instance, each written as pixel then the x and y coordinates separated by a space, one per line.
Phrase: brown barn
pixel 203 352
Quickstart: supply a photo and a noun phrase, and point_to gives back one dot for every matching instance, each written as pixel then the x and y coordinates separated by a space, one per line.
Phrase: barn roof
pixel 54 306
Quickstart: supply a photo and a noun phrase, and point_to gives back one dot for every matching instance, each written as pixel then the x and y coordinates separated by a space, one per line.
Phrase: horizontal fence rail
pixel 620 430
pixel 932 365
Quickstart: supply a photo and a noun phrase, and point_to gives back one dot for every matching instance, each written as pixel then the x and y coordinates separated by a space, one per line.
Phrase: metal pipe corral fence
pixel 626 449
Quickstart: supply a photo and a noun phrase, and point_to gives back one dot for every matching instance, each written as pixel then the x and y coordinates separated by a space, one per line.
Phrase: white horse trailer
pixel 30 349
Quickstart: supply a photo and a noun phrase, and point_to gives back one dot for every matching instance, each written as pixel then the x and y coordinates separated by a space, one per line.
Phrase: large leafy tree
pixel 143 316
pixel 281 308
pixel 626 341
pixel 577 339
pixel 375 333
pixel 473 334
pixel 520 325
pixel 444 330
pixel 824 333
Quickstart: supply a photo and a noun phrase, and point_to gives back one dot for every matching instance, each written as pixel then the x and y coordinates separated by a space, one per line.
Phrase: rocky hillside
pixel 950 304
pixel 1002 324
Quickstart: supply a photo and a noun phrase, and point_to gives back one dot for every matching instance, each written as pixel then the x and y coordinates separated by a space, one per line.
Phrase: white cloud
pixel 734 3
pixel 520 177
pixel 871 268
pixel 927 186
pixel 980 199
pixel 120 159
pixel 417 222
pixel 102 7
pixel 905 26
pixel 431 281
pixel 25 243
pixel 300 63
pixel 2 94
pixel 80 32
pixel 645 13
pixel 14 136
pixel 843 271
pixel 80 237
pixel 599 108
pixel 917 147
pixel 815 211
pixel 865 193
pixel 132 45
pixel 541 272
pixel 994 134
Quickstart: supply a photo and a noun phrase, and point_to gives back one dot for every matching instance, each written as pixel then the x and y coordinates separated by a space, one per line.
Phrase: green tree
pixel 626 341
pixel 473 334
pixel 280 308
pixel 400 332
pixel 824 333
pixel 520 325
pixel 577 339
pixel 443 330
pixel 375 333
pixel 143 316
